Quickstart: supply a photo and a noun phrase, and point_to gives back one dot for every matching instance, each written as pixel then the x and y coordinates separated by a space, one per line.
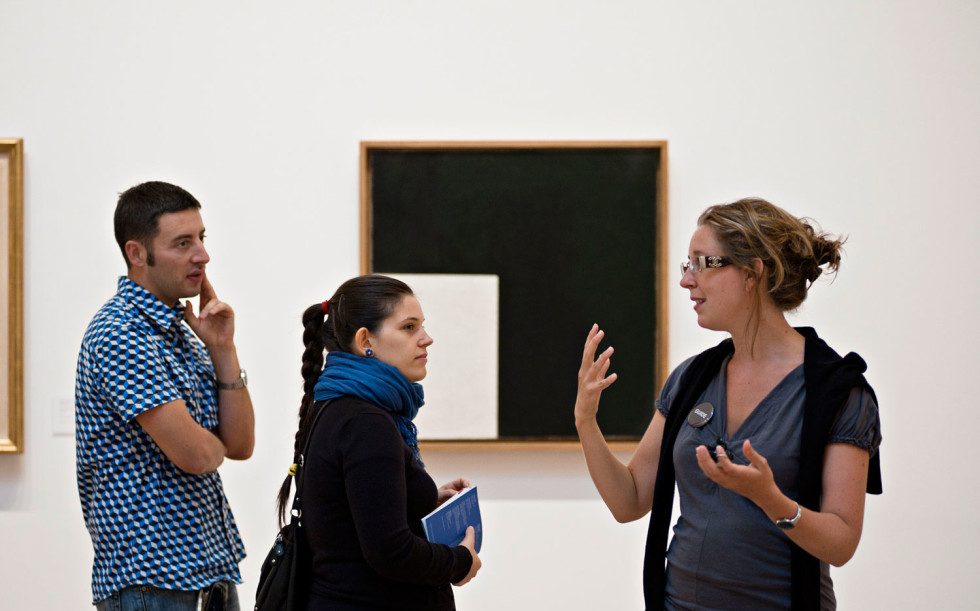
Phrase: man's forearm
pixel 236 419
pixel 236 423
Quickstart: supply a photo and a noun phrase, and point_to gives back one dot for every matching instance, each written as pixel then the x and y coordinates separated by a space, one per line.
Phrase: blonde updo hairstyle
pixel 793 252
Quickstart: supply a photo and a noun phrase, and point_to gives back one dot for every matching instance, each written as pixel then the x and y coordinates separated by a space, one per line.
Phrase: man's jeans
pixel 149 598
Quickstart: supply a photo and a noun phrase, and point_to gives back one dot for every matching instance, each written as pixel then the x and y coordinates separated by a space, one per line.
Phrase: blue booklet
pixel 447 523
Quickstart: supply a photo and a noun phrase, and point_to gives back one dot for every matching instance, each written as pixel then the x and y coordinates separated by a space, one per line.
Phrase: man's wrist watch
pixel 241 382
pixel 788 523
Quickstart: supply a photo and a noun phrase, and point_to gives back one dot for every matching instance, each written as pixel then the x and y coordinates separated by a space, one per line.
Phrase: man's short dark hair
pixel 139 209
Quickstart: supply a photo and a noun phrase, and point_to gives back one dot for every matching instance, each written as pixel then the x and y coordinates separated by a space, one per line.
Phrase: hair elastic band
pixel 292 469
pixel 325 305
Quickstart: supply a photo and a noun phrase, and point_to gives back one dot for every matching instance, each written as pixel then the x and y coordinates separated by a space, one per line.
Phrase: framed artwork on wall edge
pixel 11 308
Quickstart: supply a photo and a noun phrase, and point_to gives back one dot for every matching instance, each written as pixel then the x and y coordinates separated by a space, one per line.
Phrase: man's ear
pixel 362 341
pixel 135 254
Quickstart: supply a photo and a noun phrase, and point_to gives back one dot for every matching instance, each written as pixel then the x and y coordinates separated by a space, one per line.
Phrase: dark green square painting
pixel 575 233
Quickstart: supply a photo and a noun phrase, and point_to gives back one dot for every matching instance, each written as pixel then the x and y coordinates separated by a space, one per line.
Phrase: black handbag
pixel 284 579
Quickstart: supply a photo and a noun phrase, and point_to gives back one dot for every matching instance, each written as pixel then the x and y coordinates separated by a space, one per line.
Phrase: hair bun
pixel 827 252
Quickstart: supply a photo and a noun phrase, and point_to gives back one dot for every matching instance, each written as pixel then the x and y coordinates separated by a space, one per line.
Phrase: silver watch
pixel 241 382
pixel 788 523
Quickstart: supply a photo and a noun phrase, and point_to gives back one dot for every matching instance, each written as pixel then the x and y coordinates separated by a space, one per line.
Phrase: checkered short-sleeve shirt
pixel 150 522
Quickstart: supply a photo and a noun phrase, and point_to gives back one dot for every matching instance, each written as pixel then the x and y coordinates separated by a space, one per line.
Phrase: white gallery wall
pixel 863 115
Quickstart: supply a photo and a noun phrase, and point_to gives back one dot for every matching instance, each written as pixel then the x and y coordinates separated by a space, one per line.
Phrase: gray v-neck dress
pixel 725 553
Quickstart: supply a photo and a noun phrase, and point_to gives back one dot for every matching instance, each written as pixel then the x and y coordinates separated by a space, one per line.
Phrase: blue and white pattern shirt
pixel 150 522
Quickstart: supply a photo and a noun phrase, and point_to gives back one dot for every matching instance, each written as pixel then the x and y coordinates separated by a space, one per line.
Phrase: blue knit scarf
pixel 376 382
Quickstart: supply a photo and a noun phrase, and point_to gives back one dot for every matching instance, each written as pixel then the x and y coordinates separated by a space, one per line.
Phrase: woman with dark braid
pixel 366 488
pixel 771 437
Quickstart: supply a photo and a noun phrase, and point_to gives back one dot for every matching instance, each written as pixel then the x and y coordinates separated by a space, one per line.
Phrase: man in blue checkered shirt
pixel 160 402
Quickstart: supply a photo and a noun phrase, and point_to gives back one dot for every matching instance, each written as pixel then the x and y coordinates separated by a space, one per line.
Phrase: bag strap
pixel 296 513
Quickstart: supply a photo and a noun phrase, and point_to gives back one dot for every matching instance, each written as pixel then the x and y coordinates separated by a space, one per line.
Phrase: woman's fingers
pixel 591 343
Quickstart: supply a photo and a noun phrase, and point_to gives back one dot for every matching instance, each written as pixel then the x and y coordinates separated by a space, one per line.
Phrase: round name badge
pixel 701 414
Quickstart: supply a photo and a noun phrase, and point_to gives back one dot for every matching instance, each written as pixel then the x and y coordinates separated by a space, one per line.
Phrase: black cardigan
pixel 364 497
pixel 829 379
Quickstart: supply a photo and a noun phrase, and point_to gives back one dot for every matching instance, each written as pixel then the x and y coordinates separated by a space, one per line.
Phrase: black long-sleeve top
pixel 365 496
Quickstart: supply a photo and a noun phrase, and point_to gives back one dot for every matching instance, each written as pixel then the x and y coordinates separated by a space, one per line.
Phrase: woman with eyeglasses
pixel 771 437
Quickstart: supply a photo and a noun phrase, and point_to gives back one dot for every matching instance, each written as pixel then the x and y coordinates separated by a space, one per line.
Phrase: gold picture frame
pixel 11 308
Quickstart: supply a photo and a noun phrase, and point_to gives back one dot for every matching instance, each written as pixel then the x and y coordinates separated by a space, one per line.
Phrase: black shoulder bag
pixel 285 579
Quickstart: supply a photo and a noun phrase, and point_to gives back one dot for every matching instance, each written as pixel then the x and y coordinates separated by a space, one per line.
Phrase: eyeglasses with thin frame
pixel 703 262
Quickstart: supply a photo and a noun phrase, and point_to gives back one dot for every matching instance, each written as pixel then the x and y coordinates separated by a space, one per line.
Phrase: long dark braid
pixel 364 301
pixel 313 331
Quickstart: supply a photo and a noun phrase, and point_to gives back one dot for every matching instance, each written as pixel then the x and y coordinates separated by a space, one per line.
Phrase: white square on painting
pixel 462 316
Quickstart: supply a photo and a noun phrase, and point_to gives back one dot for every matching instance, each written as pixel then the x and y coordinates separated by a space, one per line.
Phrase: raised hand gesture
pixel 592 378
pixel 215 322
